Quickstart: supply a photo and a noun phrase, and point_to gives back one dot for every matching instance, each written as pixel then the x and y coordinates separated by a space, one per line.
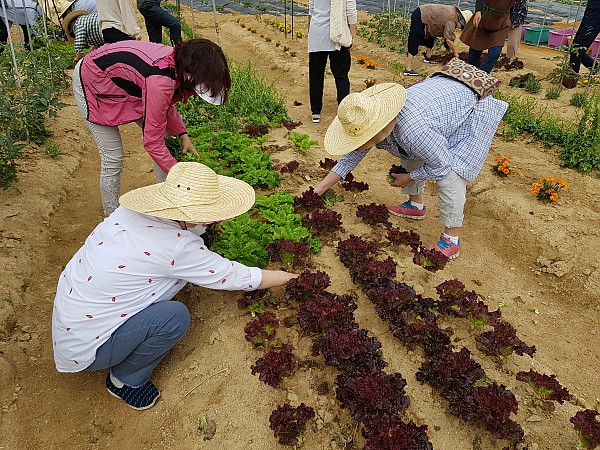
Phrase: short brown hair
pixel 205 63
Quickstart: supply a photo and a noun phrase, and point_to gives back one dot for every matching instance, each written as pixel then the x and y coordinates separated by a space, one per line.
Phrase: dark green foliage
pixel 580 142
pixel 252 100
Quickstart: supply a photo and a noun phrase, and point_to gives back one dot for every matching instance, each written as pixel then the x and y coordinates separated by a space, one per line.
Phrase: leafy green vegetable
pixel 302 141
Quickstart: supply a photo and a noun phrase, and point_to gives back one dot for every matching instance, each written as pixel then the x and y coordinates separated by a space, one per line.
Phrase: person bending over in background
pixel 85 5
pixel 113 307
pixel 83 31
pixel 321 47
pixel 428 22
pixel 134 81
pixel 438 128
pixel 156 18
pixel 518 14
pixel 587 32
pixel 117 21
pixel 487 30
pixel 25 13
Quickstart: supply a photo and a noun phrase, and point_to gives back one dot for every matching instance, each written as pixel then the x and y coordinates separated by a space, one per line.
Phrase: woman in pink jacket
pixel 135 81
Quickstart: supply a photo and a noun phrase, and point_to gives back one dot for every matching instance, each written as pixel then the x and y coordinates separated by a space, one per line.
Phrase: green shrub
pixel 533 85
pixel 580 140
pixel 250 96
pixel 52 149
pixel 552 93
pixel 579 99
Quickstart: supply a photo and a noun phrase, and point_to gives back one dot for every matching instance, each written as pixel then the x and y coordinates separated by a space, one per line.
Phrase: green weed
pixel 553 93
pixel 580 140
pixel 52 149
pixel 579 100
pixel 533 85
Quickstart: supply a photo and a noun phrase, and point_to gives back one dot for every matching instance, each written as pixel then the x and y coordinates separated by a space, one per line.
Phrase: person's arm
pixel 477 15
pixel 274 278
pixel 452 47
pixel 352 16
pixel 159 117
pixel 80 40
pixel 130 25
pixel 193 262
pixel 343 167
pixel 330 179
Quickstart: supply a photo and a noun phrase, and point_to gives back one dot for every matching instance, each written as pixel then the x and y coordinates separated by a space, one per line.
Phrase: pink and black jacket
pixel 131 80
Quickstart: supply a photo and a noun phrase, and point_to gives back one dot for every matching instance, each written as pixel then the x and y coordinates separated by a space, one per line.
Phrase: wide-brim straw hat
pixel 361 115
pixel 467 14
pixel 56 9
pixel 66 23
pixel 192 192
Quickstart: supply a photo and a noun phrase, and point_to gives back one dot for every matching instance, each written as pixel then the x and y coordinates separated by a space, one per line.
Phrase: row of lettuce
pixel 284 228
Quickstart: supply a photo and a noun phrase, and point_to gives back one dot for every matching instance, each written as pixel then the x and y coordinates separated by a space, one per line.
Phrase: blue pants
pixel 137 346
pixel 489 63
pixel 156 18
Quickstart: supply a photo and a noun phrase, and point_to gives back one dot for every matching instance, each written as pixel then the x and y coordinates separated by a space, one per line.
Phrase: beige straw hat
pixel 467 14
pixel 361 115
pixel 66 23
pixel 192 192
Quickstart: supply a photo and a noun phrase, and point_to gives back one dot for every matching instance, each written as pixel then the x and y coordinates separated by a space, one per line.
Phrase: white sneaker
pixel 316 118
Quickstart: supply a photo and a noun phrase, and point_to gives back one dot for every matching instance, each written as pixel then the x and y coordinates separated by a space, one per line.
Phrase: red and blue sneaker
pixel 407 210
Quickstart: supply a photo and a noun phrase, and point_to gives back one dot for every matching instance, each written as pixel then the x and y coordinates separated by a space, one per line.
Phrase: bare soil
pixel 538 262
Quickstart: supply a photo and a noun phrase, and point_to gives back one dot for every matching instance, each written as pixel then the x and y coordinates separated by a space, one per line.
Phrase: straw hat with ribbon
pixel 361 115
pixel 68 20
pixel 192 192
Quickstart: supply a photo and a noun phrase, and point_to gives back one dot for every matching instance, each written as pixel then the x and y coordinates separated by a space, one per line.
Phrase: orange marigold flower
pixel 517 172
pixel 497 160
pixel 549 179
pixel 506 171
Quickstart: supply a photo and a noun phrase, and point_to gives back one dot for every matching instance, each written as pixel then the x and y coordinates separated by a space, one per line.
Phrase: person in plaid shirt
pixel 84 32
pixel 438 128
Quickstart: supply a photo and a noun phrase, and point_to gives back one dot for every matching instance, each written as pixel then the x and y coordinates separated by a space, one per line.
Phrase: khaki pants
pixel 513 41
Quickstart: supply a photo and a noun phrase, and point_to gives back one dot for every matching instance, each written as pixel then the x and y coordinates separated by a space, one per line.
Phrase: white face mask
pixel 204 94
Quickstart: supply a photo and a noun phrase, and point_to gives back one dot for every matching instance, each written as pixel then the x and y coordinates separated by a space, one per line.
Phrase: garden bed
pixel 534 261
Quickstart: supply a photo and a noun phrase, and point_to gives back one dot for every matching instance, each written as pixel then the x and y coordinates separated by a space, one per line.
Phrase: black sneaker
pixel 316 118
pixel 139 398
pixel 427 61
pixel 411 73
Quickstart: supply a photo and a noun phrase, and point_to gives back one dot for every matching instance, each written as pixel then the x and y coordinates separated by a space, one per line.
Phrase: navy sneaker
pixel 139 398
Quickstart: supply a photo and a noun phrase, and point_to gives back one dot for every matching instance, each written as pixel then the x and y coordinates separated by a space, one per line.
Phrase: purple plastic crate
pixel 596 47
pixel 559 37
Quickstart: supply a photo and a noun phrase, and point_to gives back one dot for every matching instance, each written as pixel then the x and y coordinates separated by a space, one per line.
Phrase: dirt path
pixel 538 261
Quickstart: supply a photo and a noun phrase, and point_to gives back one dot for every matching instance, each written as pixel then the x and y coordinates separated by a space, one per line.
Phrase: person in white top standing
pixel 117 21
pixel 321 47
pixel 113 306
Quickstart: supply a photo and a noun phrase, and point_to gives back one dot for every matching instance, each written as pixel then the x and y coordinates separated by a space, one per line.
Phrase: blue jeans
pixel 156 18
pixel 137 346
pixel 489 63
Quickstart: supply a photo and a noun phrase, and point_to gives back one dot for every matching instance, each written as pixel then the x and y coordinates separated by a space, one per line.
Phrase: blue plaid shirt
pixel 442 124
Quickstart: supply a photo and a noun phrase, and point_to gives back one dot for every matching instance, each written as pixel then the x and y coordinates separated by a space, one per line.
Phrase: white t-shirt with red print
pixel 129 262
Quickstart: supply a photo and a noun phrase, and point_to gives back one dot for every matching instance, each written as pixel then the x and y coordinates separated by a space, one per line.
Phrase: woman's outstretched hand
pixel 186 144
